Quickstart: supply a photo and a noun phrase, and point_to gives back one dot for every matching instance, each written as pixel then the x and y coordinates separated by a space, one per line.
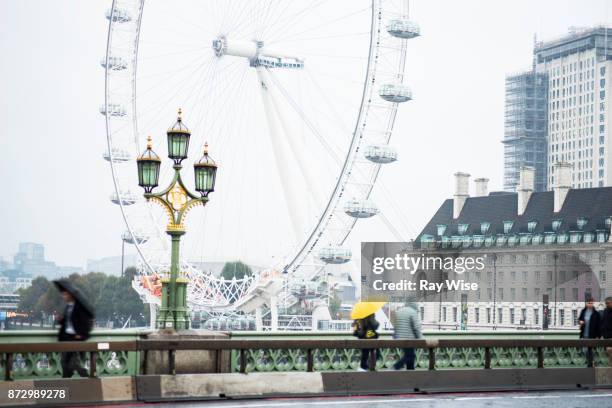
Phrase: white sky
pixel 52 136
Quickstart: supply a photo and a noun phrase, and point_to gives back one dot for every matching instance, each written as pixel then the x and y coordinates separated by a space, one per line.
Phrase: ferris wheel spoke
pixel 319 136
pixel 325 24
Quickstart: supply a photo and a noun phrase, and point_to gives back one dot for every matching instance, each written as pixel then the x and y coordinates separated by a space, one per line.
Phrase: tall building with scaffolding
pixel 525 127
pixel 578 67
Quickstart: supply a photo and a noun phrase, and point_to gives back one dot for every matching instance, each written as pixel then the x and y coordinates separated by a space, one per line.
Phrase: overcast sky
pixel 52 136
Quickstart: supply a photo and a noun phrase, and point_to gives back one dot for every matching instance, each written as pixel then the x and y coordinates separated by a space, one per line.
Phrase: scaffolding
pixel 525 127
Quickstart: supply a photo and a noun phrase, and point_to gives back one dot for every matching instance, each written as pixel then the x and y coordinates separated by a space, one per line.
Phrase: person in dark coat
pixel 606 326
pixel 365 329
pixel 590 321
pixel 75 325
pixel 590 325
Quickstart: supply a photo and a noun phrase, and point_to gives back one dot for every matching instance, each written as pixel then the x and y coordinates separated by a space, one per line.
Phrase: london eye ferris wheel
pixel 297 101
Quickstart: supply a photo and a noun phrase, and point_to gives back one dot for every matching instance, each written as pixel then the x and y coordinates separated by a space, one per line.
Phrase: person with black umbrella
pixel 75 325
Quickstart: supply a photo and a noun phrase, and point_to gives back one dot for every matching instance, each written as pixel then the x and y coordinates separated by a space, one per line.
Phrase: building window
pixel 513 276
pixel 441 229
pixel 523 316
pixel 562 294
pixel 536 292
pixel 536 316
pixel 549 276
pixel 525 274
pixel 488 315
pixel 500 315
pixel 484 227
pixel 556 224
pixel 574 317
pixel 511 315
pixel 561 317
pixel 462 228
pixel 602 276
pixel 538 276
pixel 455 314
pixel 531 226
pixel 508 226
pixel 524 293
pixel 444 314
pixel 422 310
pixel 477 314
pixel 501 293
pixel 512 294
pixel 575 294
pixel 581 222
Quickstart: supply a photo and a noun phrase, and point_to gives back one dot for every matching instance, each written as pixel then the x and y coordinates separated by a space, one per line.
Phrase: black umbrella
pixel 64 285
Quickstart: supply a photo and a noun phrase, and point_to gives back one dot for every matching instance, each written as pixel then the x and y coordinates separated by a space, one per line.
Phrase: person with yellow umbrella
pixel 364 327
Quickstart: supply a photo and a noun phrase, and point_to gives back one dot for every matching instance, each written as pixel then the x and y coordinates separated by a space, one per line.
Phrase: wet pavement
pixel 601 398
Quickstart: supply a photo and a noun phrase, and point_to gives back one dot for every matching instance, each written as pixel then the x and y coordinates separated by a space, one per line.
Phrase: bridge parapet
pixel 456 350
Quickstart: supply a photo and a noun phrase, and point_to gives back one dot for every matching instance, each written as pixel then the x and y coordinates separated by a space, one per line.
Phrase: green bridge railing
pixel 464 357
pixel 47 365
pixel 113 363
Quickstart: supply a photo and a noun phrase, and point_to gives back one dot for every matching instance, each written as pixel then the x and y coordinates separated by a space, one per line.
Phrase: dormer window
pixel 484 227
pixel 531 226
pixel 608 221
pixel 462 228
pixel 441 229
pixel 556 224
pixel 581 222
pixel 508 226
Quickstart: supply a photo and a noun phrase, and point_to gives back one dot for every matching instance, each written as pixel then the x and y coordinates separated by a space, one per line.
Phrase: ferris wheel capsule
pixel 403 28
pixel 139 237
pixel 114 109
pixel 119 15
pixel 395 93
pixel 381 154
pixel 360 208
pixel 124 198
pixel 114 63
pixel 117 155
pixel 335 255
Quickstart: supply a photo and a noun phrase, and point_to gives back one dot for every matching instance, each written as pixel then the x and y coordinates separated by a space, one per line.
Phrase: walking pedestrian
pixel 75 325
pixel 606 326
pixel 365 328
pixel 590 325
pixel 407 325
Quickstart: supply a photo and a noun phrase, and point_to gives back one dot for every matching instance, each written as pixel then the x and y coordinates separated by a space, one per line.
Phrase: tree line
pixel 112 297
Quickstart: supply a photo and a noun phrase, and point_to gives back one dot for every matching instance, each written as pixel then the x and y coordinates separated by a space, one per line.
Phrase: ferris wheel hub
pixel 256 52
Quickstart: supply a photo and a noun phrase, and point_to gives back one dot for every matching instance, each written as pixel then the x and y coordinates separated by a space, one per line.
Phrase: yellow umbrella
pixel 364 309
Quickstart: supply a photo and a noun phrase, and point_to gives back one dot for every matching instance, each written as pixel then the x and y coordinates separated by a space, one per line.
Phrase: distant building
pixel 30 261
pixel 578 67
pixel 525 127
pixel 4 265
pixel 111 265
pixel 554 243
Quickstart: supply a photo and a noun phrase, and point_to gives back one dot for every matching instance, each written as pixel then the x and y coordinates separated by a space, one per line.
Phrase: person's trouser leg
pixel 410 358
pixel 365 355
pixel 68 364
pixel 402 361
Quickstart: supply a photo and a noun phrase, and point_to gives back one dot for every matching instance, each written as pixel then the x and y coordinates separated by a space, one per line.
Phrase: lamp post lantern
pixel 176 200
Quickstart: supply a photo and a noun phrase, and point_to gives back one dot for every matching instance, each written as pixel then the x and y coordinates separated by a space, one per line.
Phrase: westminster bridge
pixel 134 365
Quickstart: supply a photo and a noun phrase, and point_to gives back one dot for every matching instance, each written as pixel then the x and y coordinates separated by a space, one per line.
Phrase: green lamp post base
pixel 176 318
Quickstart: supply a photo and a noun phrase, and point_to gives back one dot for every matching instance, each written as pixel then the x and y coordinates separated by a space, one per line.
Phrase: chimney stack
pixel 462 181
pixel 563 182
pixel 525 187
pixel 482 189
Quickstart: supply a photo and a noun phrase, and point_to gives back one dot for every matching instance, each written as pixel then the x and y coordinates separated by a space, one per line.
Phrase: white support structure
pixel 274 313
pixel 295 149
pixel 283 165
pixel 258 319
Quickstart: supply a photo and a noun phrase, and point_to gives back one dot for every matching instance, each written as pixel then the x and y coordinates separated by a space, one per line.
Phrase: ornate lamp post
pixel 176 200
